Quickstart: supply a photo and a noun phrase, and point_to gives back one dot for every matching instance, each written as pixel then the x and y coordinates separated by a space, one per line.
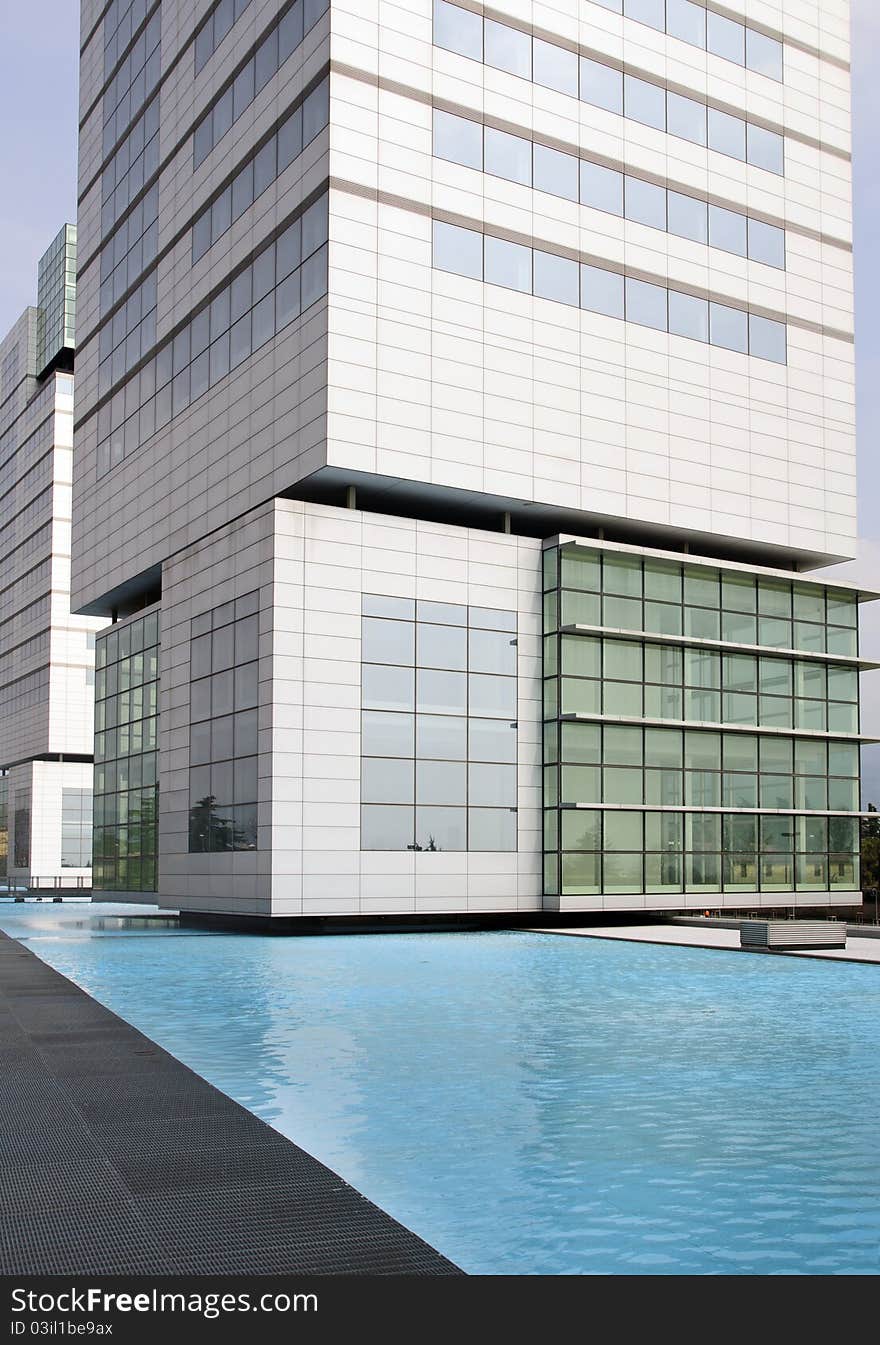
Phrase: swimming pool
pixel 530 1103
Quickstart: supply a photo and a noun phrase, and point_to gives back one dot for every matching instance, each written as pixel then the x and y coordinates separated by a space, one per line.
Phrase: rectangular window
pixel 554 67
pixel 601 85
pixel 458 140
pixel 458 250
pixel 686 118
pixel 645 103
pixel 601 188
pixel 458 30
pixel 507 49
pixel 508 156
pixel 555 172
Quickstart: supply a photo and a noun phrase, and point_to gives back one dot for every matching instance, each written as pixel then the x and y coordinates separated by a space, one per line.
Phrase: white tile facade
pixel 47 656
pixel 428 389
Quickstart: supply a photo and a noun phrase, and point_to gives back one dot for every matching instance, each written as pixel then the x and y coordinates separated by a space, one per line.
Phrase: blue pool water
pixel 532 1103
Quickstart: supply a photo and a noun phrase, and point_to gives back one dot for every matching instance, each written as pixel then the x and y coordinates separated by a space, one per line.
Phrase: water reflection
pixel 527 1102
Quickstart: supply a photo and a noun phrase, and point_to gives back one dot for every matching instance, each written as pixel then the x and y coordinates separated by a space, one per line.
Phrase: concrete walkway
pixel 689 936
pixel 117 1159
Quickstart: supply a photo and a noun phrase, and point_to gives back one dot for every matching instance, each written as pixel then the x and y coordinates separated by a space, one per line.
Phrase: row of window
pixel 236 609
pixel 392 827
pixel 215 27
pixel 17 594
pixel 592 874
pixel 213 828
pixel 699 27
pixel 432 691
pixel 434 646
pixel 451 783
pixel 128 773
pixel 517 159
pixel 224 694
pixel 727 833
pixel 297 130
pixel 432 737
pixel 125 853
pixel 224 739
pixel 126 806
pixel 122 18
pixel 130 333
pixel 114 645
pixel 15 655
pixel 281 283
pixel 674 667
pixel 135 162
pixel 130 250
pixel 632 700
pixel 141 702
pixel 131 671
pixel 276 47
pixel 133 82
pixel 438 613
pixel 444 778
pixel 118 871
pixel 24 692
pixel 224 782
pixel 477 256
pixel 76 828
pixel 629 576
pixel 125 740
pixel 572 608
pixel 668 787
pixel 604 86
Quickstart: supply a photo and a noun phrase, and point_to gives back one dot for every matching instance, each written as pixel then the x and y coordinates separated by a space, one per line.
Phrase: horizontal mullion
pixel 725 646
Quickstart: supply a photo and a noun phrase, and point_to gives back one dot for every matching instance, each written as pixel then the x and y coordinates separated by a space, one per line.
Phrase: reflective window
pixel 652 12
pixel 727 134
pixel 646 304
pixel 727 230
pixel 725 37
pixel 766 244
pixel 767 339
pixel 645 203
pixel 601 291
pixel 601 85
pixel 688 316
pixel 729 327
pixel 555 67
pixel 458 250
pixel 601 188
pixel 457 139
pixel 686 118
pixel 508 264
pixel 766 149
pixel 688 217
pixel 458 30
pixel 555 172
pixel 763 54
pixel 686 21
pixel 508 156
pixel 507 49
pixel 420 762
pixel 387 828
pixel 645 102
pixel 556 278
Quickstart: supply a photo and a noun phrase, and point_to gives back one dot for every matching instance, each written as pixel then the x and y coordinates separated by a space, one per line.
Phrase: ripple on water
pixel 532 1103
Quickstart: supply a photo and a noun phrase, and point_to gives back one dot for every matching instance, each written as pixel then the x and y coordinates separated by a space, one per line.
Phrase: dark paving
pixel 117 1159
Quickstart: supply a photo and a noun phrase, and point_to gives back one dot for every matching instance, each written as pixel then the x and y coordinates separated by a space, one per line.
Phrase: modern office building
pixel 47 657
pixel 463 395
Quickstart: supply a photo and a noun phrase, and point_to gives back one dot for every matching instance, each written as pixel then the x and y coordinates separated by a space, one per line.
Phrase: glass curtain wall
pixel 701 729
pixel 126 800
